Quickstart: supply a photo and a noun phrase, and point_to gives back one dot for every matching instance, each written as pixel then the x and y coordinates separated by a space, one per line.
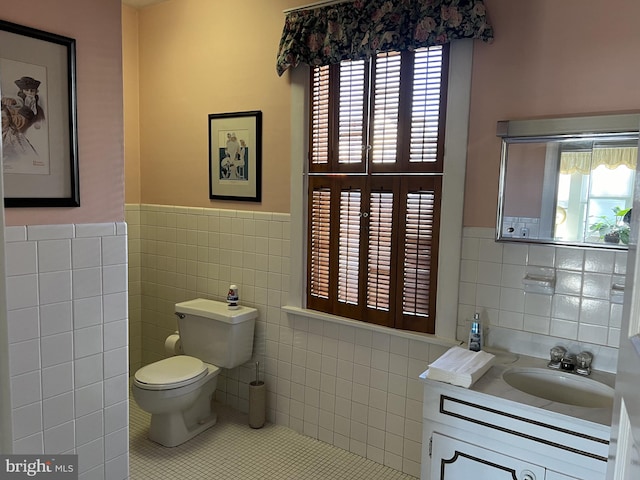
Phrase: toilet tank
pixel 212 332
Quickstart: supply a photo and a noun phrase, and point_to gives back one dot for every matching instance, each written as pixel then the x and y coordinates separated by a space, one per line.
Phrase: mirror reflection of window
pixel 595 192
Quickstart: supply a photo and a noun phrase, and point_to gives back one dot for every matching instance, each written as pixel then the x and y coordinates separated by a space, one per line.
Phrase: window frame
pixel 457 123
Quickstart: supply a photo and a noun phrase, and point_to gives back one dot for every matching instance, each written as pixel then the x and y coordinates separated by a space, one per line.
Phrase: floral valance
pixel 611 158
pixel 361 28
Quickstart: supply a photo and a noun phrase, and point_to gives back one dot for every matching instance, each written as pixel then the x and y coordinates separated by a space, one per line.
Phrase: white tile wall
pixel 580 310
pixel 349 386
pixel 356 388
pixel 67 325
pixel 132 216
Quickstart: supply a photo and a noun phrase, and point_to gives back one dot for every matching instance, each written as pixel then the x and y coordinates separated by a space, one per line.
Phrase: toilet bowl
pixel 178 390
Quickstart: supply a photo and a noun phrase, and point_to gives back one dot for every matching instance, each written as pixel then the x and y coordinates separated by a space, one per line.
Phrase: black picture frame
pixel 40 149
pixel 235 156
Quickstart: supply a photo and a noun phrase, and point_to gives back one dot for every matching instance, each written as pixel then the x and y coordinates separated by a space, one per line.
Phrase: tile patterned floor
pixel 233 450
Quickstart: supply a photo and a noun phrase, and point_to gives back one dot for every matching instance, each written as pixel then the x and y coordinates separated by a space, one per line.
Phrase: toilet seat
pixel 170 373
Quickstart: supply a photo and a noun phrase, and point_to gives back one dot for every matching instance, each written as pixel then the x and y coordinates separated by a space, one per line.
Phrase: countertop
pixel 492 383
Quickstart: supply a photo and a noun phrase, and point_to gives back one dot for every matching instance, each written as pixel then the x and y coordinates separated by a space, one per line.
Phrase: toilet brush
pixel 257 401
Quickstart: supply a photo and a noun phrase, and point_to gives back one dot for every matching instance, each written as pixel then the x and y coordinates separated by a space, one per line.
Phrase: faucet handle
pixel 584 360
pixel 556 354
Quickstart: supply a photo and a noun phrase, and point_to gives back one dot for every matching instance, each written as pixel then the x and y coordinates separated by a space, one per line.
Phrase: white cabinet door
pixel 453 459
pixel 558 476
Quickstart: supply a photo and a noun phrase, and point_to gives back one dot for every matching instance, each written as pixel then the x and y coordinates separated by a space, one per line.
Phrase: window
pixel 375 184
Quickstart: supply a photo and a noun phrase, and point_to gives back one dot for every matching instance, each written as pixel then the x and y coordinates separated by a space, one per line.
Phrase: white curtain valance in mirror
pixel 585 162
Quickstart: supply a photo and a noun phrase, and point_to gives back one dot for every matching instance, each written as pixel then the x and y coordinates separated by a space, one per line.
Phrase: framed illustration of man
pixel 39 126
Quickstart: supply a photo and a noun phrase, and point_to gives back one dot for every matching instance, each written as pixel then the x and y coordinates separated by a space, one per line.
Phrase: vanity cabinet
pixel 472 434
pixel 453 459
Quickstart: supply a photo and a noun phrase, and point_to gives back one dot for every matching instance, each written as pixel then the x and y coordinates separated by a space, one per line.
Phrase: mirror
pixel 568 181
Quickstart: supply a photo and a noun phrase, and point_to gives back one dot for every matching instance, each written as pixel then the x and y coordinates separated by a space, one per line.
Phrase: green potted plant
pixel 614 230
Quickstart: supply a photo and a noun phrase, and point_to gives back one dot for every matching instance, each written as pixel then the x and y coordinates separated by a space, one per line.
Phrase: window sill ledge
pixel 421 337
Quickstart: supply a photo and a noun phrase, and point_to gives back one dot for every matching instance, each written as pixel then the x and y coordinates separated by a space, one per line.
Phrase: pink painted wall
pixel 549 58
pixel 525 179
pixel 96 27
pixel 199 57
pixel 130 73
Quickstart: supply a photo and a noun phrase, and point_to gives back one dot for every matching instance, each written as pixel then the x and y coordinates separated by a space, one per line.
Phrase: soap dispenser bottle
pixel 475 334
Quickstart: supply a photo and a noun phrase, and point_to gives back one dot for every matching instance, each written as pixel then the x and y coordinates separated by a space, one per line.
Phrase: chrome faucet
pixel 568 362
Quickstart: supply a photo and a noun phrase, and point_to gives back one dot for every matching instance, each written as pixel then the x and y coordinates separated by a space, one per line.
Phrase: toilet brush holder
pixel 257 402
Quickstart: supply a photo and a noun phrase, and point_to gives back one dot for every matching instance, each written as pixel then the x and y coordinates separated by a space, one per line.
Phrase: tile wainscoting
pixel 582 311
pixel 67 326
pixel 356 388
pixel 350 386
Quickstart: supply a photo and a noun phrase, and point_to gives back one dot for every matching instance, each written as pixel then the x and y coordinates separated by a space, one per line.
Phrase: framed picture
pixel 39 123
pixel 235 156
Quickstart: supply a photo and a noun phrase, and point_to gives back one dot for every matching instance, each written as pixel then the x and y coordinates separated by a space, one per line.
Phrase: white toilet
pixel 178 390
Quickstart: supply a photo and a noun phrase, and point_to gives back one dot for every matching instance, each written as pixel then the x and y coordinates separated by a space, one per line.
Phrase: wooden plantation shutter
pixel 339 118
pixel 349 218
pixel 386 107
pixel 351 115
pixel 427 112
pixel 419 231
pixel 381 251
pixel 319 118
pixel 373 229
pixel 408 105
pixel 336 257
pixel 319 235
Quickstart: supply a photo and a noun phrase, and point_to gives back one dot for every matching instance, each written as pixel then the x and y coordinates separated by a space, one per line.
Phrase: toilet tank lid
pixel 216 310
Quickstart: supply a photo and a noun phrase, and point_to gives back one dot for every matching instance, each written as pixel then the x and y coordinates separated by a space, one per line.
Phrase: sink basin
pixel 559 386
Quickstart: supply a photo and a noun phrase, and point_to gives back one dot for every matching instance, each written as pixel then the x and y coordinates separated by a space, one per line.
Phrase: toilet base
pixel 171 430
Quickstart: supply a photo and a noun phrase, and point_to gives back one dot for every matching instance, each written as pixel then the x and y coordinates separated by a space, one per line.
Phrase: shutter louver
pixel 349 246
pixel 385 108
pixel 379 252
pixel 419 226
pixel 320 116
pixel 352 108
pixel 320 234
pixel 425 111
